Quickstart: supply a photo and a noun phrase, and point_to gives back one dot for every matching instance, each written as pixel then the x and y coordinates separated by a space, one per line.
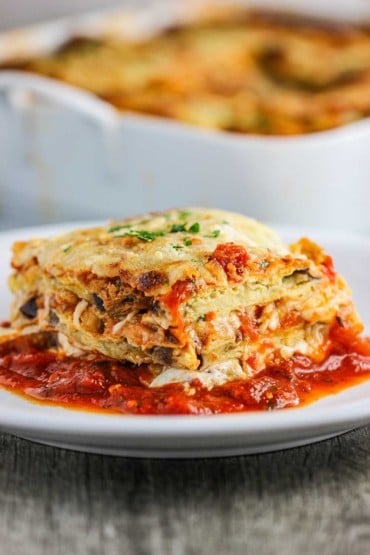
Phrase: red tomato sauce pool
pixel 105 385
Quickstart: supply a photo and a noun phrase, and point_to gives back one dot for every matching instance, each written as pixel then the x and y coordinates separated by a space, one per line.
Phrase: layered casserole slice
pixel 195 293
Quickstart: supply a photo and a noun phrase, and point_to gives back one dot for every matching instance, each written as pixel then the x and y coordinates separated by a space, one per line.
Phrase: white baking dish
pixel 65 154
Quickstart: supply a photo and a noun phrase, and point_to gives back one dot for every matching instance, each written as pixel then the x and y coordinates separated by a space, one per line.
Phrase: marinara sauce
pixel 31 369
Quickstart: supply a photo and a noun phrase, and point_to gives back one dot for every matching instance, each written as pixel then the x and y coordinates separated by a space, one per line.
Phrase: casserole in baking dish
pixel 66 149
pixel 241 71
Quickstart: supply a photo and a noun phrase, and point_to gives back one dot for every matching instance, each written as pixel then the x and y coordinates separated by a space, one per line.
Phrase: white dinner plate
pixel 197 436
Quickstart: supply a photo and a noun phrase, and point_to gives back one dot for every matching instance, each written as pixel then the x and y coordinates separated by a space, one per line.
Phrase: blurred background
pixel 21 12
pixel 63 150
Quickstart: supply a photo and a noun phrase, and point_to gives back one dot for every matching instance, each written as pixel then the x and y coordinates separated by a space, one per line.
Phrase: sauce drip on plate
pixel 31 369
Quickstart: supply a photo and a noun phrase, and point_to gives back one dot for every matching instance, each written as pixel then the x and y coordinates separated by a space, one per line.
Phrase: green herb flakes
pixel 118 228
pixel 176 228
pixel 195 228
pixel 213 234
pixel 143 234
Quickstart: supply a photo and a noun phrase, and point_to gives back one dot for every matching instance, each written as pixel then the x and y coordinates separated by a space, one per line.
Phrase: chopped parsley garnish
pixel 213 234
pixel 178 227
pixel 67 249
pixel 146 235
pixel 195 228
pixel 118 228
pixel 177 246
pixel 265 264
pixel 188 242
pixel 143 234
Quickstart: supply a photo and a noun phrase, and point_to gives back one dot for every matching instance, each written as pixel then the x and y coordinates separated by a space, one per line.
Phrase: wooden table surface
pixel 310 500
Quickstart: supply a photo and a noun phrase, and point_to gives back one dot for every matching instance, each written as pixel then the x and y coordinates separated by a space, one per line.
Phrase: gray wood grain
pixel 303 501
